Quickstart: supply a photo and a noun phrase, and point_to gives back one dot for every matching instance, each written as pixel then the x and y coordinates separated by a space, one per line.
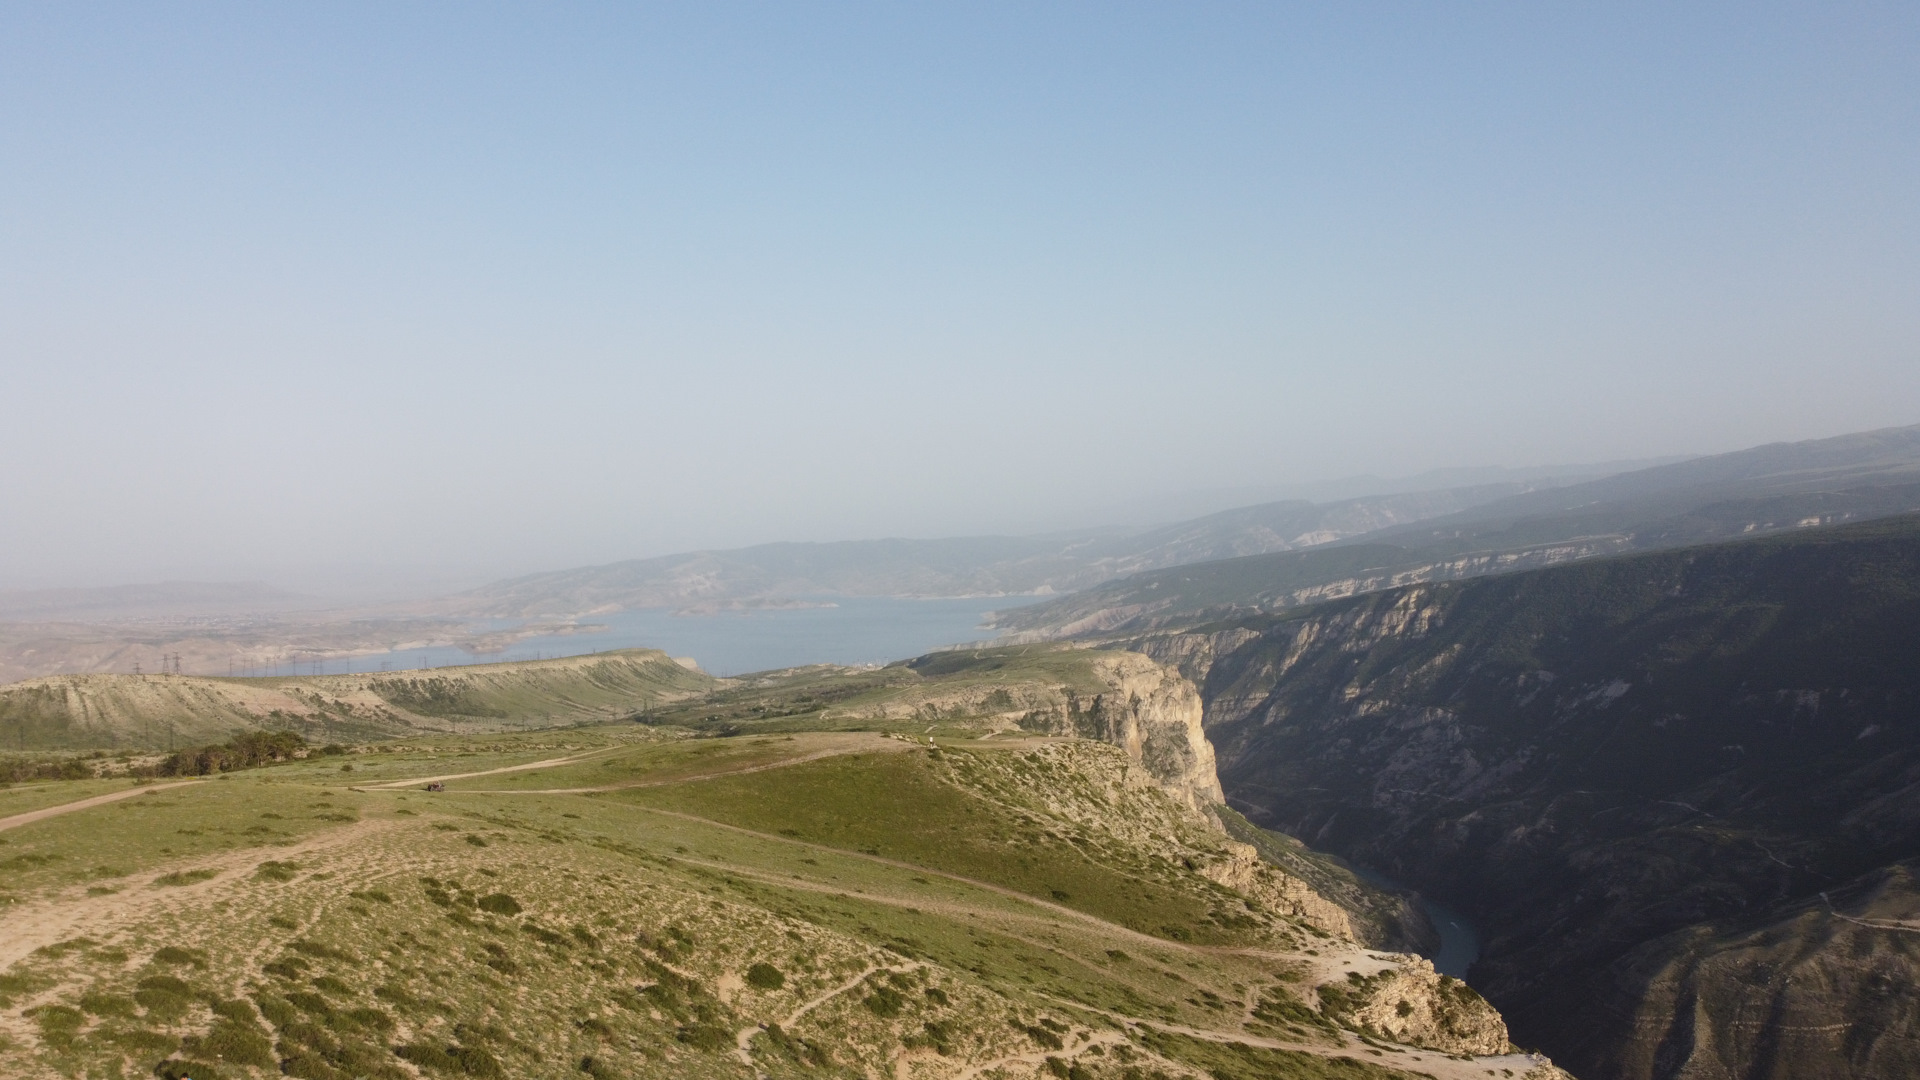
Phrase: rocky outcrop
pixel 1413 1004
pixel 1245 872
pixel 1155 716
pixel 1121 698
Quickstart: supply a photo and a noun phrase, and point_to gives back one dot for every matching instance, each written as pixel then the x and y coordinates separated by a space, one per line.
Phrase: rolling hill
pixel 967 566
pixel 155 711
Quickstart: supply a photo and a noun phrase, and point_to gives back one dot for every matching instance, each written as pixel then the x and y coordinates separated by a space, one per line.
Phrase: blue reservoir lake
pixel 838 630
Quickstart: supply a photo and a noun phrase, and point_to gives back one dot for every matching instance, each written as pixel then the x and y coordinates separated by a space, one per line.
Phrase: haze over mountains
pixel 1257 558
pixel 1779 486
pixel 1852 477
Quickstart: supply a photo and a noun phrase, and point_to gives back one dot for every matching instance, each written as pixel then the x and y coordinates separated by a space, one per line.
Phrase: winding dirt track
pixel 56 918
pixel 32 816
pixel 882 746
pixel 550 763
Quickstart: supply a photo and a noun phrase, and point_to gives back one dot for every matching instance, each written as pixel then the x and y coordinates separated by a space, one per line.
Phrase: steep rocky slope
pixel 1680 791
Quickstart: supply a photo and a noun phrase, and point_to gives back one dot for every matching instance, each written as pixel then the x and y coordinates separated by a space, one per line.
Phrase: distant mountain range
pixel 159 600
pixel 964 566
pixel 1766 489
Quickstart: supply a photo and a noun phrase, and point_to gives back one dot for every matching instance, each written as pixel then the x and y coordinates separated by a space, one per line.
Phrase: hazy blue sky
pixel 519 287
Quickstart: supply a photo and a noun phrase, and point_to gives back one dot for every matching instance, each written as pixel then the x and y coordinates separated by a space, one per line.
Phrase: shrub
pixel 186 1070
pixel 327 984
pixel 310 1003
pixel 163 996
pixel 398 995
pixel 184 877
pixel 276 1010
pixel 141 1042
pixel 232 1043
pixel 544 935
pixel 500 904
pixel 57 1017
pixel 370 1018
pixel 466 1060
pixel 765 977
pixel 100 1004
pixel 711 1038
pixel 372 896
pixel 174 954
pixel 885 1002
pixel 1044 1037
pixel 314 948
pixel 233 1009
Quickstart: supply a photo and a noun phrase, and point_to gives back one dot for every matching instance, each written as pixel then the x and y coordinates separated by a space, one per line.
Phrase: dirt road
pixel 32 816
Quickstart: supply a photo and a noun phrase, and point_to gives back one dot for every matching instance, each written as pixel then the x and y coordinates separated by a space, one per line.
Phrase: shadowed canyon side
pixel 1680 790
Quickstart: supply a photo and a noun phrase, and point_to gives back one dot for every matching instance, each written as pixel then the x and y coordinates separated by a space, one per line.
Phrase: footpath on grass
pixel 32 816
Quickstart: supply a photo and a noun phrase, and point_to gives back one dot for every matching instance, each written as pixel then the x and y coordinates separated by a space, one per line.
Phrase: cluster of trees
pixel 15 770
pixel 247 750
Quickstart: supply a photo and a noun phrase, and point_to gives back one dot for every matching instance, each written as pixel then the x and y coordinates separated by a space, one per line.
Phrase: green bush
pixel 309 1003
pixel 765 977
pixel 464 1060
pixel 233 1009
pixel 102 1004
pixel 370 1018
pixel 327 984
pixel 885 1002
pixel 500 904
pixel 187 1070
pixel 232 1043
pixel 711 1038
pixel 277 1011
pixel 174 954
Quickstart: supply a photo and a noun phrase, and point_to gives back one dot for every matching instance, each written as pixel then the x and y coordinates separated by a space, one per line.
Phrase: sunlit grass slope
pixel 808 904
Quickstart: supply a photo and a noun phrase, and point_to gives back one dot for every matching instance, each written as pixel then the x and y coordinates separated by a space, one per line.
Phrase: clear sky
pixel 472 289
